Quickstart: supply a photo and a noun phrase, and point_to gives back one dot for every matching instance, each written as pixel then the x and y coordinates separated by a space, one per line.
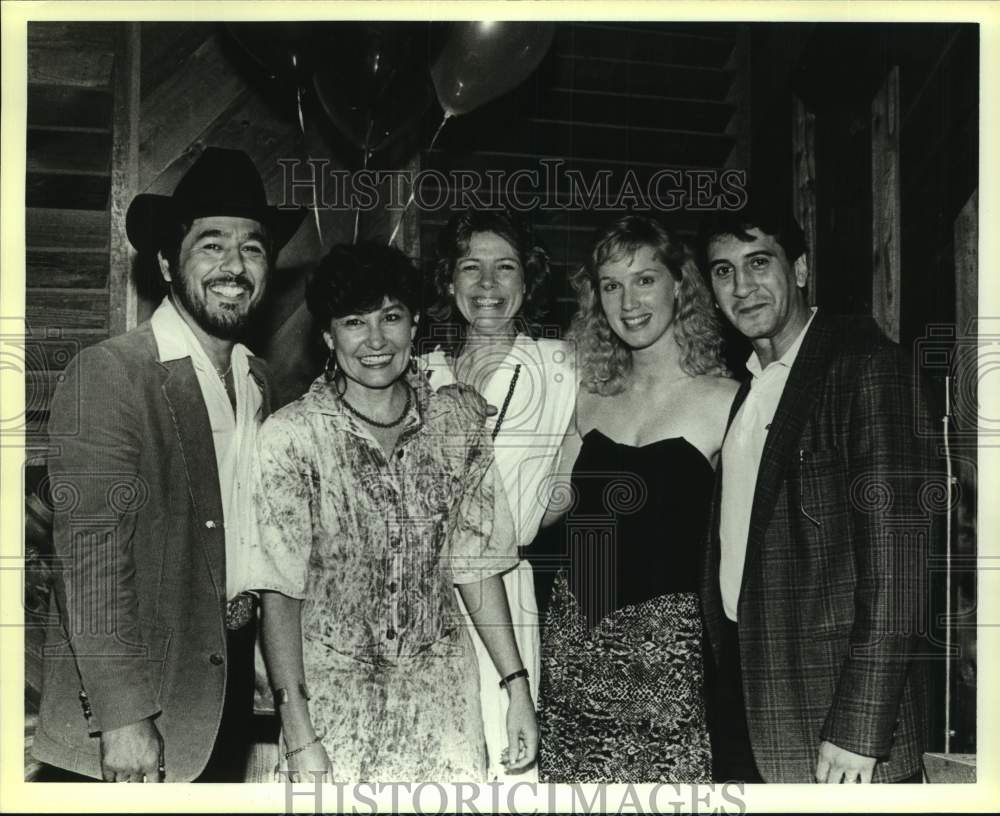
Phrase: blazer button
pixel 216 659
pixel 210 524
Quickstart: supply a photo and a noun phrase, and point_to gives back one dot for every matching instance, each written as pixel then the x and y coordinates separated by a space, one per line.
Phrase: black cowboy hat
pixel 220 182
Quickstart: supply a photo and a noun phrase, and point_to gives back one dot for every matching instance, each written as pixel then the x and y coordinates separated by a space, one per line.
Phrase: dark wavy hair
pixel 763 214
pixel 357 278
pixel 604 358
pixel 453 244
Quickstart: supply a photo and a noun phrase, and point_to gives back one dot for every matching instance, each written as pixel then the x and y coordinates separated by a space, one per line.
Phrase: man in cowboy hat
pixel 148 670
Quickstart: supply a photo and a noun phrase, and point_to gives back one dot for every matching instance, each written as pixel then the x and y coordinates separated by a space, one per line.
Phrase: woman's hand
pixel 309 765
pixel 522 730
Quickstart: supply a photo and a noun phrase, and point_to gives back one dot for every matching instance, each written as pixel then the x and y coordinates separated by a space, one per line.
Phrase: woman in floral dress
pixel 376 496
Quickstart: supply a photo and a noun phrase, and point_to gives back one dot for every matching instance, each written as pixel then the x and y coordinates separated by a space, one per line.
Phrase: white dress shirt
pixel 741 454
pixel 234 434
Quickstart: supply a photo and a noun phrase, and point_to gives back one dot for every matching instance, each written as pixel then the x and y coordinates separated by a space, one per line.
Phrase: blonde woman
pixel 622 680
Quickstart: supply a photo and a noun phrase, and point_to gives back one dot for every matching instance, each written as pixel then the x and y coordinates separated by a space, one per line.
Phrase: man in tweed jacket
pixel 148 669
pixel 814 584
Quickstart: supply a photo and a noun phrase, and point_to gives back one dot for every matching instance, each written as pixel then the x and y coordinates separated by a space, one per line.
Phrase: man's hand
pixel 132 753
pixel 836 765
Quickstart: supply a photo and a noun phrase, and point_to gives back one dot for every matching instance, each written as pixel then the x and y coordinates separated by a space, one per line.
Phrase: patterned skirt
pixel 623 702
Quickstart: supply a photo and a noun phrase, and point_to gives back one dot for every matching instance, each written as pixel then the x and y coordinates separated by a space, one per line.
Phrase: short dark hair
pixel 771 219
pixel 357 278
pixel 453 243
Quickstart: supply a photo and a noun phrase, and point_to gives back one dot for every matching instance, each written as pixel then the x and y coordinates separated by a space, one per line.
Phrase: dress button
pixel 210 524
pixel 216 659
pixel 393 586
pixel 390 633
pixel 399 454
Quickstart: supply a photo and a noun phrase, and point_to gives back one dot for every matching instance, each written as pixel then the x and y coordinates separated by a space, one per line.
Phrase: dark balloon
pixel 283 51
pixel 483 60
pixel 372 80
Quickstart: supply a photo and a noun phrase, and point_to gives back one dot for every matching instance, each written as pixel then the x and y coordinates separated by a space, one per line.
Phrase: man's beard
pixel 223 322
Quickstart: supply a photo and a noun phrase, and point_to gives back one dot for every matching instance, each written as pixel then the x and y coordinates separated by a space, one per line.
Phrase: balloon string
pixel 364 166
pixel 302 127
pixel 413 188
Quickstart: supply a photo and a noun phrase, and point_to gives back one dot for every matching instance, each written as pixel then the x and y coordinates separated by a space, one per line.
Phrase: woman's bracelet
pixel 301 748
pixel 505 683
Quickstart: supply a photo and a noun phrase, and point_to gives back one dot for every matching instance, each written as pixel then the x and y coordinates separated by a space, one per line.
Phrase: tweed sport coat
pixel 138 529
pixel 832 609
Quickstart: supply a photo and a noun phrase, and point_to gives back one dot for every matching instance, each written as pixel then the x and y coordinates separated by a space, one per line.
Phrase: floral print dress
pixel 373 545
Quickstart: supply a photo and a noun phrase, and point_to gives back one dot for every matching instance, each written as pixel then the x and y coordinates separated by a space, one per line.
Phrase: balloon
pixel 373 82
pixel 284 51
pixel 483 60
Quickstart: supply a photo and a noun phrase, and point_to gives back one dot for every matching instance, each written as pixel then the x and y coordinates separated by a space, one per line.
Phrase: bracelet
pixel 301 748
pixel 505 683
pixel 281 694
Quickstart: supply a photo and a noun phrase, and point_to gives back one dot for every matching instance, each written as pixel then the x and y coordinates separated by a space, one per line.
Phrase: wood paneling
pixel 67 268
pixel 67 309
pixel 123 306
pixel 670 81
pixel 82 191
pixel 52 353
pixel 886 227
pixel 77 68
pixel 804 187
pixel 94 37
pixel 637 44
pixel 67 106
pixel 79 229
pixel 584 139
pixel 69 150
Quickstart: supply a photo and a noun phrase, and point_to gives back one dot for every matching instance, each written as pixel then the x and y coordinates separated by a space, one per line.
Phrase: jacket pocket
pixel 820 484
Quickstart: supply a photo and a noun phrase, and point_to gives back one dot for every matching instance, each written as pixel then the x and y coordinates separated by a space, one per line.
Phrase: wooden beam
pixel 886 206
pixel 122 296
pixel 174 115
pixel 804 186
pixel 966 232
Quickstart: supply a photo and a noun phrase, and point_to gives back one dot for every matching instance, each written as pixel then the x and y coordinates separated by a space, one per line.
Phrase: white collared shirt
pixel 233 434
pixel 741 455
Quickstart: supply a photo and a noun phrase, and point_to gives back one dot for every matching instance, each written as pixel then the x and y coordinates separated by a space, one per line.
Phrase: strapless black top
pixel 637 525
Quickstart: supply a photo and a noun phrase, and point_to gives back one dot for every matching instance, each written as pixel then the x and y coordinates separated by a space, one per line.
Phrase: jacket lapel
pixel 194 435
pixel 802 390
pixel 259 371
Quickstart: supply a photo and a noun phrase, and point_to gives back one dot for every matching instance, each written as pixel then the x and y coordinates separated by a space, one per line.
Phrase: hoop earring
pixel 330 369
pixel 414 368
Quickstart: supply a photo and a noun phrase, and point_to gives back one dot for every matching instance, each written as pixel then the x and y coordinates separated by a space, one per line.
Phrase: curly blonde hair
pixel 603 357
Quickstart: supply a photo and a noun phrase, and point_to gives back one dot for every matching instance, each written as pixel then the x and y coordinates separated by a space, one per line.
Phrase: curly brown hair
pixel 453 244
pixel 604 358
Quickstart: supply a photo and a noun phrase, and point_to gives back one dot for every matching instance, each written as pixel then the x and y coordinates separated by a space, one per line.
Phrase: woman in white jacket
pixel 489 276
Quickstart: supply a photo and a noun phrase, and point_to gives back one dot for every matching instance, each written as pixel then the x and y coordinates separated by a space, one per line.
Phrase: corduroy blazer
pixel 138 618
pixel 832 609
